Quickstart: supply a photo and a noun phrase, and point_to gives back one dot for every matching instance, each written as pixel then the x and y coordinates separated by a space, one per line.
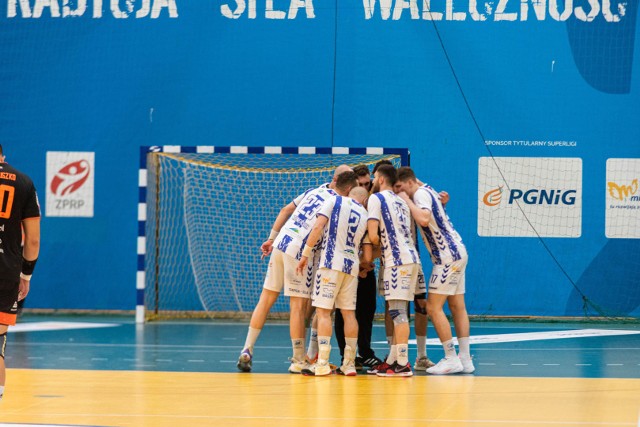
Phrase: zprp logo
pixel 70 178
pixel 493 197
pixel 621 192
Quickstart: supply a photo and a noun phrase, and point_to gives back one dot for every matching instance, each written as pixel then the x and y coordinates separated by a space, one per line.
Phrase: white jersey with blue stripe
pixel 294 233
pixel 343 234
pixel 397 243
pixel 441 239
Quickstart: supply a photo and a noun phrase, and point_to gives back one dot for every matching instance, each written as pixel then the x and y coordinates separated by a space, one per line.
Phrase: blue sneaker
pixel 245 360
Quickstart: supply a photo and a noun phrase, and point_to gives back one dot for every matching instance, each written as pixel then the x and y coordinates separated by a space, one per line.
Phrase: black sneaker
pixel 370 361
pixel 359 364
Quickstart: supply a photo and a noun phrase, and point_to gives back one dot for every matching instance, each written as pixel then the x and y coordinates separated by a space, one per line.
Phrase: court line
pixel 345 419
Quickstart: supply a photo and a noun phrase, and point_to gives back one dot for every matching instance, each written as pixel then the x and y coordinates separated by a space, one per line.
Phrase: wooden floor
pixel 132 399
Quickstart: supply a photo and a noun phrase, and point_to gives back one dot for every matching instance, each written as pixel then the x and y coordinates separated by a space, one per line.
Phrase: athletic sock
pixel 449 349
pixel 403 354
pixel 298 349
pixel 463 347
pixel 392 355
pixel 252 337
pixel 421 341
pixel 312 351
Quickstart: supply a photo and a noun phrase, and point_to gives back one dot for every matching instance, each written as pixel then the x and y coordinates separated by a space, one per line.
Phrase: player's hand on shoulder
pixel 404 196
pixel 444 197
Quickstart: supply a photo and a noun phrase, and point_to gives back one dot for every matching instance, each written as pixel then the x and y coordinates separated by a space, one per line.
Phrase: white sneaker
pixel 318 369
pixel 467 365
pixel 448 365
pixel 297 366
pixel 423 363
pixel 348 369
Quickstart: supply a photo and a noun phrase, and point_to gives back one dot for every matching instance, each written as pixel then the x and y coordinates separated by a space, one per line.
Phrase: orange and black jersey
pixel 18 201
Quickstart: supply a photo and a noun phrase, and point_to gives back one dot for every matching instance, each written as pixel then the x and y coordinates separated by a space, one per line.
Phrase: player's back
pixel 343 234
pixel 18 201
pixel 396 241
pixel 439 236
pixel 295 231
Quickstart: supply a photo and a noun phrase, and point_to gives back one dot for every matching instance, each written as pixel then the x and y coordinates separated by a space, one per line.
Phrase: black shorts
pixel 8 303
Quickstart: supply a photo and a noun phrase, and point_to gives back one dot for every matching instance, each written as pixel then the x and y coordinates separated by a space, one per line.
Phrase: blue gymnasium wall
pixel 193 76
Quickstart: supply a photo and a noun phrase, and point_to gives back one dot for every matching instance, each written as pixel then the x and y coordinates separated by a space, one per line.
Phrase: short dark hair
pixel 361 170
pixel 1 150
pixel 389 173
pixel 346 181
pixel 405 173
pixel 380 163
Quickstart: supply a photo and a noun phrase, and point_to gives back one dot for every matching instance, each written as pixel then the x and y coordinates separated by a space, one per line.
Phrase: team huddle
pixel 326 239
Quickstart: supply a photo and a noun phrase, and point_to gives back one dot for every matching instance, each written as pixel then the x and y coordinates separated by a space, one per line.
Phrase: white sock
pixel 463 347
pixel 312 351
pixel 298 349
pixel 422 346
pixel 449 349
pixel 1 391
pixel 403 354
pixel 353 343
pixel 324 349
pixel 390 340
pixel 392 355
pixel 252 337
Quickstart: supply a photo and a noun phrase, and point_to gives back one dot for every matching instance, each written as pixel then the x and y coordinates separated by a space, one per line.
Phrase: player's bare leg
pixel 258 319
pixel 322 366
pixel 461 321
pixel 348 367
pixel 451 363
pixel 420 327
pixel 297 331
pixel 3 337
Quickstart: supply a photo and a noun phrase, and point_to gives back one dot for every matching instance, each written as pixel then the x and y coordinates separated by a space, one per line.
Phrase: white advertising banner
pixel 530 197
pixel 622 212
pixel 70 183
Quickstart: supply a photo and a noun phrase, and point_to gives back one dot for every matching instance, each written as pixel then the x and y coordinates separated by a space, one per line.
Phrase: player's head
pixel 360 195
pixel 1 154
pixel 345 182
pixel 407 180
pixel 384 178
pixel 364 176
pixel 340 169
pixel 380 163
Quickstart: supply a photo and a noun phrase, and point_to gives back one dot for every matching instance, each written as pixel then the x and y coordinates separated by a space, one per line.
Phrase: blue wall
pixel 110 85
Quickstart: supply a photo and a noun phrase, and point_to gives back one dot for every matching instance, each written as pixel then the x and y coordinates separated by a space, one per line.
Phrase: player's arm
pixel 31 227
pixel 312 240
pixel 281 219
pixel 421 216
pixel 373 222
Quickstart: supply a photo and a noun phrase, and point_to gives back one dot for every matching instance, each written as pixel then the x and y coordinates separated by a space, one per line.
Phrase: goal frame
pixel 210 149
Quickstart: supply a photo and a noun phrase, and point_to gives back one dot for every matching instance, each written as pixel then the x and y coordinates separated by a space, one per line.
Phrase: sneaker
pixel 317 370
pixel 423 363
pixel 296 366
pixel 380 367
pixel 448 365
pixel 245 361
pixel 370 361
pixel 467 365
pixel 348 370
pixel 397 370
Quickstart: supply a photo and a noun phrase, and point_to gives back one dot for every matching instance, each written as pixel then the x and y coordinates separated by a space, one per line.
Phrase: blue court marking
pixel 213 346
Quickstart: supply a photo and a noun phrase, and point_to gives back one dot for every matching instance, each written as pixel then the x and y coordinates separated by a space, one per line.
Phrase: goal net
pixel 209 209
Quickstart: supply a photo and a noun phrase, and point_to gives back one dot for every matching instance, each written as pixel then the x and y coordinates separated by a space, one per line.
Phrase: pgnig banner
pixel 70 189
pixel 530 197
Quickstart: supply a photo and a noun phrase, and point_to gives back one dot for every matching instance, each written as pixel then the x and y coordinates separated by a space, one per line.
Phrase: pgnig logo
pixel 623 192
pixel 531 196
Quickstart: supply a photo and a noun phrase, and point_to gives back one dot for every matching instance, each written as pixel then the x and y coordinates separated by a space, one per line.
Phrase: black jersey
pixel 18 201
